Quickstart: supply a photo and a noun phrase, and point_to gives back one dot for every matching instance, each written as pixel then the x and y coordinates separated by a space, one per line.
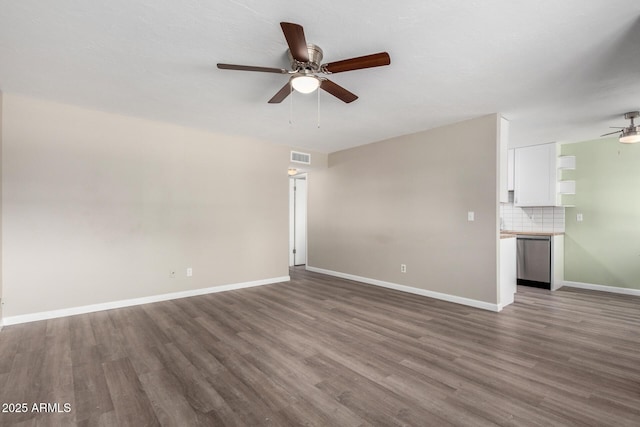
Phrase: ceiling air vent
pixel 298 157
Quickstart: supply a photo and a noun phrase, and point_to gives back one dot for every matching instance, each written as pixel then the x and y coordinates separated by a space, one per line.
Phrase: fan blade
pixel 296 41
pixel 338 91
pixel 368 61
pixel 252 68
pixel 611 133
pixel 282 94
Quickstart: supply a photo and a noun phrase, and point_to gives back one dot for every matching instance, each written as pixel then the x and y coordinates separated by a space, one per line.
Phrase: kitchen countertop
pixel 507 235
pixel 528 233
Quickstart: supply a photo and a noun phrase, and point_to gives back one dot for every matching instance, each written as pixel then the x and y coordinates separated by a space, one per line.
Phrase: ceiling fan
pixel 306 64
pixel 631 133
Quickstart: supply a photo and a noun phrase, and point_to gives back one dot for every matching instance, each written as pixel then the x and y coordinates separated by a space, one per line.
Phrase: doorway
pixel 298 220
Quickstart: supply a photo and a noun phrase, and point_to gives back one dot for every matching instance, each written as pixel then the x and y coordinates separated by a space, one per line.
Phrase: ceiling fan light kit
pixel 305 84
pixel 630 138
pixel 631 133
pixel 306 63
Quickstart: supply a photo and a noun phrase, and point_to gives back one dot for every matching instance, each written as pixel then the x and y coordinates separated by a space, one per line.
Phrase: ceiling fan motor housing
pixel 315 59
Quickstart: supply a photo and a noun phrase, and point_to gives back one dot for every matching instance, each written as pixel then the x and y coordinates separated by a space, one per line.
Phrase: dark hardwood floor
pixel 323 351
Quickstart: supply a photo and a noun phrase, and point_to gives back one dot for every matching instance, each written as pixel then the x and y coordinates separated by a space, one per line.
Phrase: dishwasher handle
pixel 521 237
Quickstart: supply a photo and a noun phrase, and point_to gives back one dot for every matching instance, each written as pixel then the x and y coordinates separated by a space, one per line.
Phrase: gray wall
pixel 405 201
pixel 100 208
pixel 1 252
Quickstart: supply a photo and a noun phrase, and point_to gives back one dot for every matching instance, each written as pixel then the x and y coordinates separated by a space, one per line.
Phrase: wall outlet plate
pixel 403 268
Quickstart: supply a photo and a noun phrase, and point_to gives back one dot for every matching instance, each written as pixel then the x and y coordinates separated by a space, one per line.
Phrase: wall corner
pixel 1 213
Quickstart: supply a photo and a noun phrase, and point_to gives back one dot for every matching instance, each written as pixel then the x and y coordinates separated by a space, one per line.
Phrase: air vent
pixel 298 157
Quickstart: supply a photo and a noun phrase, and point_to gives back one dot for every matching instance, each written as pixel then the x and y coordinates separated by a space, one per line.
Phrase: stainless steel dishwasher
pixel 534 261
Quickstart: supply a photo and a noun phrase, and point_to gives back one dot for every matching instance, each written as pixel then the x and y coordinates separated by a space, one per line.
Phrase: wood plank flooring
pixel 321 351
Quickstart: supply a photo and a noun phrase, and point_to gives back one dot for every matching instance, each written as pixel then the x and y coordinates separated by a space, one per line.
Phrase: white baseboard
pixel 603 288
pixel 13 320
pixel 409 289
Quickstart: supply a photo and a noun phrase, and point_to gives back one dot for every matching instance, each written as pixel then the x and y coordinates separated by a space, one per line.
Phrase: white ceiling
pixel 558 70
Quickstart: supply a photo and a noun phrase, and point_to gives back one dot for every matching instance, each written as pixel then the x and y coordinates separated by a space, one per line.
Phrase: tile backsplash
pixel 547 219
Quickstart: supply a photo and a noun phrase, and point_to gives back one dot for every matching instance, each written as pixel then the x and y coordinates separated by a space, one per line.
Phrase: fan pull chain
pixel 318 90
pixel 291 106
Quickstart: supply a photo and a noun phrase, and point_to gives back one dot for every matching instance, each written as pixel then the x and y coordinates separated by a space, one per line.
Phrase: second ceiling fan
pixel 306 64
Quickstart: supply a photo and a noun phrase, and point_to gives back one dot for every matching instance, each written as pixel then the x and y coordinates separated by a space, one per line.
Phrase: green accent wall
pixel 604 249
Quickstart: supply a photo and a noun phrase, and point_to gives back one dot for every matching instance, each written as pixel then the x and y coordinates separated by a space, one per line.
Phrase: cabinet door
pixel 535 175
pixel 508 278
pixel 510 169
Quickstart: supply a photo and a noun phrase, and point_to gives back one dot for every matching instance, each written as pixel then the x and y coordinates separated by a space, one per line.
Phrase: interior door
pixel 298 220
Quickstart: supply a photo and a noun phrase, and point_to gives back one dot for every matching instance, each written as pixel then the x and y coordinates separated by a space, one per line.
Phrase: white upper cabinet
pixel 536 177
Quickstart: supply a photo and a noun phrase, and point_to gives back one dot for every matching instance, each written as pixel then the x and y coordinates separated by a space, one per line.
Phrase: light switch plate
pixel 471 216
pixel 579 217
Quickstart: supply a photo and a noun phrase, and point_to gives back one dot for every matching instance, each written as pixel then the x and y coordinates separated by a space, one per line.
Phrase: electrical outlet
pixel 189 272
pixel 471 216
pixel 172 274
pixel 403 268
